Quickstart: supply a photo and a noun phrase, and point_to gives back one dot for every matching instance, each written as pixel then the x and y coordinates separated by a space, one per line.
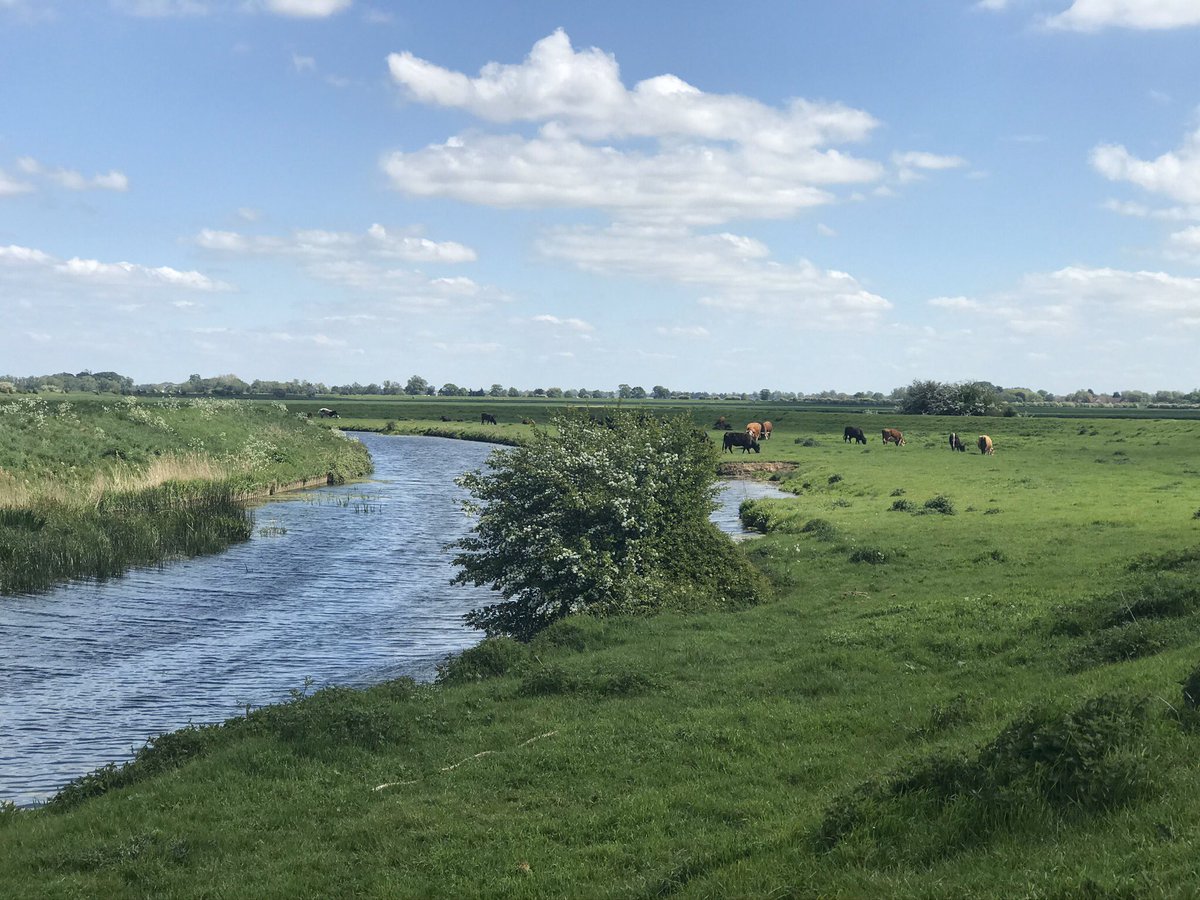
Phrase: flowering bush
pixel 605 517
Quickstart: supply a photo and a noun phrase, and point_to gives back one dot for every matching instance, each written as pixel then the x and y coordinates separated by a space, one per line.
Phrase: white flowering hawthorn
pixel 602 516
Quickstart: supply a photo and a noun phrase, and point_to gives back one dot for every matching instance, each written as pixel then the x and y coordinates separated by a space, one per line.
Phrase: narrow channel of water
pixel 345 585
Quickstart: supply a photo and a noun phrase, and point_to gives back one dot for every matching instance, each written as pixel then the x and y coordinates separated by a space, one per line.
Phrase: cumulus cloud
pixel 731 272
pixel 663 150
pixel 1175 174
pixel 1093 15
pixel 582 93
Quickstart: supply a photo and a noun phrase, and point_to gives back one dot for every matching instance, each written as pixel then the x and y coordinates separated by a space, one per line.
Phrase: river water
pixel 343 585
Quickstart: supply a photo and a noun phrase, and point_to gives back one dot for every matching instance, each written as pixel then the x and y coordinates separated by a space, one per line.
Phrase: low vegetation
pixel 90 487
pixel 1001 702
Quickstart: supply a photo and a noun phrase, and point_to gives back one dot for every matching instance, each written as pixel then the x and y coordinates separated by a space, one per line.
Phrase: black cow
pixel 956 443
pixel 487 419
pixel 743 440
pixel 854 434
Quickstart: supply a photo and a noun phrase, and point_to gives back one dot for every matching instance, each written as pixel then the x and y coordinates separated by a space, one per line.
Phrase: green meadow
pixel 972 676
pixel 90 486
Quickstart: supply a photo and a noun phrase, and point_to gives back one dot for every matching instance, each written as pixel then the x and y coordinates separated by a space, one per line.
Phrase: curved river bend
pixel 344 585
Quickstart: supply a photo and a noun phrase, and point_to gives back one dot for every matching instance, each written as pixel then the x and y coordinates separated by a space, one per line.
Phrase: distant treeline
pixel 919 397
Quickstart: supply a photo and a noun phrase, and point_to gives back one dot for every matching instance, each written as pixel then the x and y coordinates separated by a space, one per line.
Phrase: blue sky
pixel 706 196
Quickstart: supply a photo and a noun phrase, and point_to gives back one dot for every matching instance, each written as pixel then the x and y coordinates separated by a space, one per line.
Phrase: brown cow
pixel 985 445
pixel 893 436
pixel 754 429
pixel 766 431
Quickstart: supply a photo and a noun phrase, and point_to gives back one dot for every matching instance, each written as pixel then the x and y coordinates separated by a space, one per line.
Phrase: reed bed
pixel 90 488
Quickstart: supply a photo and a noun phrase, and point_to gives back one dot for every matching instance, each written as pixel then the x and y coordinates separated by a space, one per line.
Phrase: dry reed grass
pixel 119 478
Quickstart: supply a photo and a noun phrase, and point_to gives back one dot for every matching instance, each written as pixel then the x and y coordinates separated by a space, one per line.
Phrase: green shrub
pixel 939 504
pixel 603 518
pixel 872 555
pixel 903 505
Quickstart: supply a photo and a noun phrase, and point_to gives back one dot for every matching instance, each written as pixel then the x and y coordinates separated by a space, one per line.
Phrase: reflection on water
pixel 345 585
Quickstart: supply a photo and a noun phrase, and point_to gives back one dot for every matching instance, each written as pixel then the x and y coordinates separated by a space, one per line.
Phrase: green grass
pixel 90 487
pixel 994 708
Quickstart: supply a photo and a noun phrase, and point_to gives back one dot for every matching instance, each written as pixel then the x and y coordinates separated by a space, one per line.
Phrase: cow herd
pixel 756 431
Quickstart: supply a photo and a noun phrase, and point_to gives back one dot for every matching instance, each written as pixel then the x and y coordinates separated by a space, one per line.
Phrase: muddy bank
pixel 754 470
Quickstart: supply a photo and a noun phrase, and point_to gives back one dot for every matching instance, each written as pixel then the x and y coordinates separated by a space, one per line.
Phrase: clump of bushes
pixel 903 505
pixel 835 478
pixel 939 504
pixel 872 555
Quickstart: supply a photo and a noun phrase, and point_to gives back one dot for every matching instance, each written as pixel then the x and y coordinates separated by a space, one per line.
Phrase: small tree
pixel 604 518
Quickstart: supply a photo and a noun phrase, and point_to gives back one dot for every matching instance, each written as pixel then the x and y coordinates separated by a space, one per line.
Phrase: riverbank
pixel 89 487
pixel 966 685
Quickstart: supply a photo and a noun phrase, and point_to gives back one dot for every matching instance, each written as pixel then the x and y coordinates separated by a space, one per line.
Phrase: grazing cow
pixel 956 443
pixel 754 429
pixel 766 433
pixel 985 445
pixel 854 434
pixel 487 419
pixel 745 441
pixel 893 436
pixel 326 413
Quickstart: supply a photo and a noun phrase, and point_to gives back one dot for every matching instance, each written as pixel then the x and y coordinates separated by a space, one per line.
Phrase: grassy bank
pixel 967 683
pixel 90 487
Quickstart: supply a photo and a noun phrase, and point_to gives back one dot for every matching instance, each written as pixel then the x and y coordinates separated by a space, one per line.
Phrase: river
pixel 343 585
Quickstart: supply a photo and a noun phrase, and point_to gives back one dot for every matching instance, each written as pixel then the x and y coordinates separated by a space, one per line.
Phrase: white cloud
pixel 1175 174
pixel 304 9
pixel 10 187
pixel 307 9
pixel 582 93
pixel 954 303
pixel 570 324
pixel 92 271
pixel 1089 300
pixel 684 331
pixel 317 243
pixel 733 273
pixel 303 63
pixel 912 164
pixel 73 180
pixel 1093 15
pixel 689 183
pixel 663 151
pixel 825 231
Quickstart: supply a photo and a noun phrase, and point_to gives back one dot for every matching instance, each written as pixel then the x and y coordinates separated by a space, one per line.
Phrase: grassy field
pixel 968 682
pixel 91 486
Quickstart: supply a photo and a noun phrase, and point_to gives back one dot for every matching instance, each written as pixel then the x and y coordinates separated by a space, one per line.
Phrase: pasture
pixel 967 681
